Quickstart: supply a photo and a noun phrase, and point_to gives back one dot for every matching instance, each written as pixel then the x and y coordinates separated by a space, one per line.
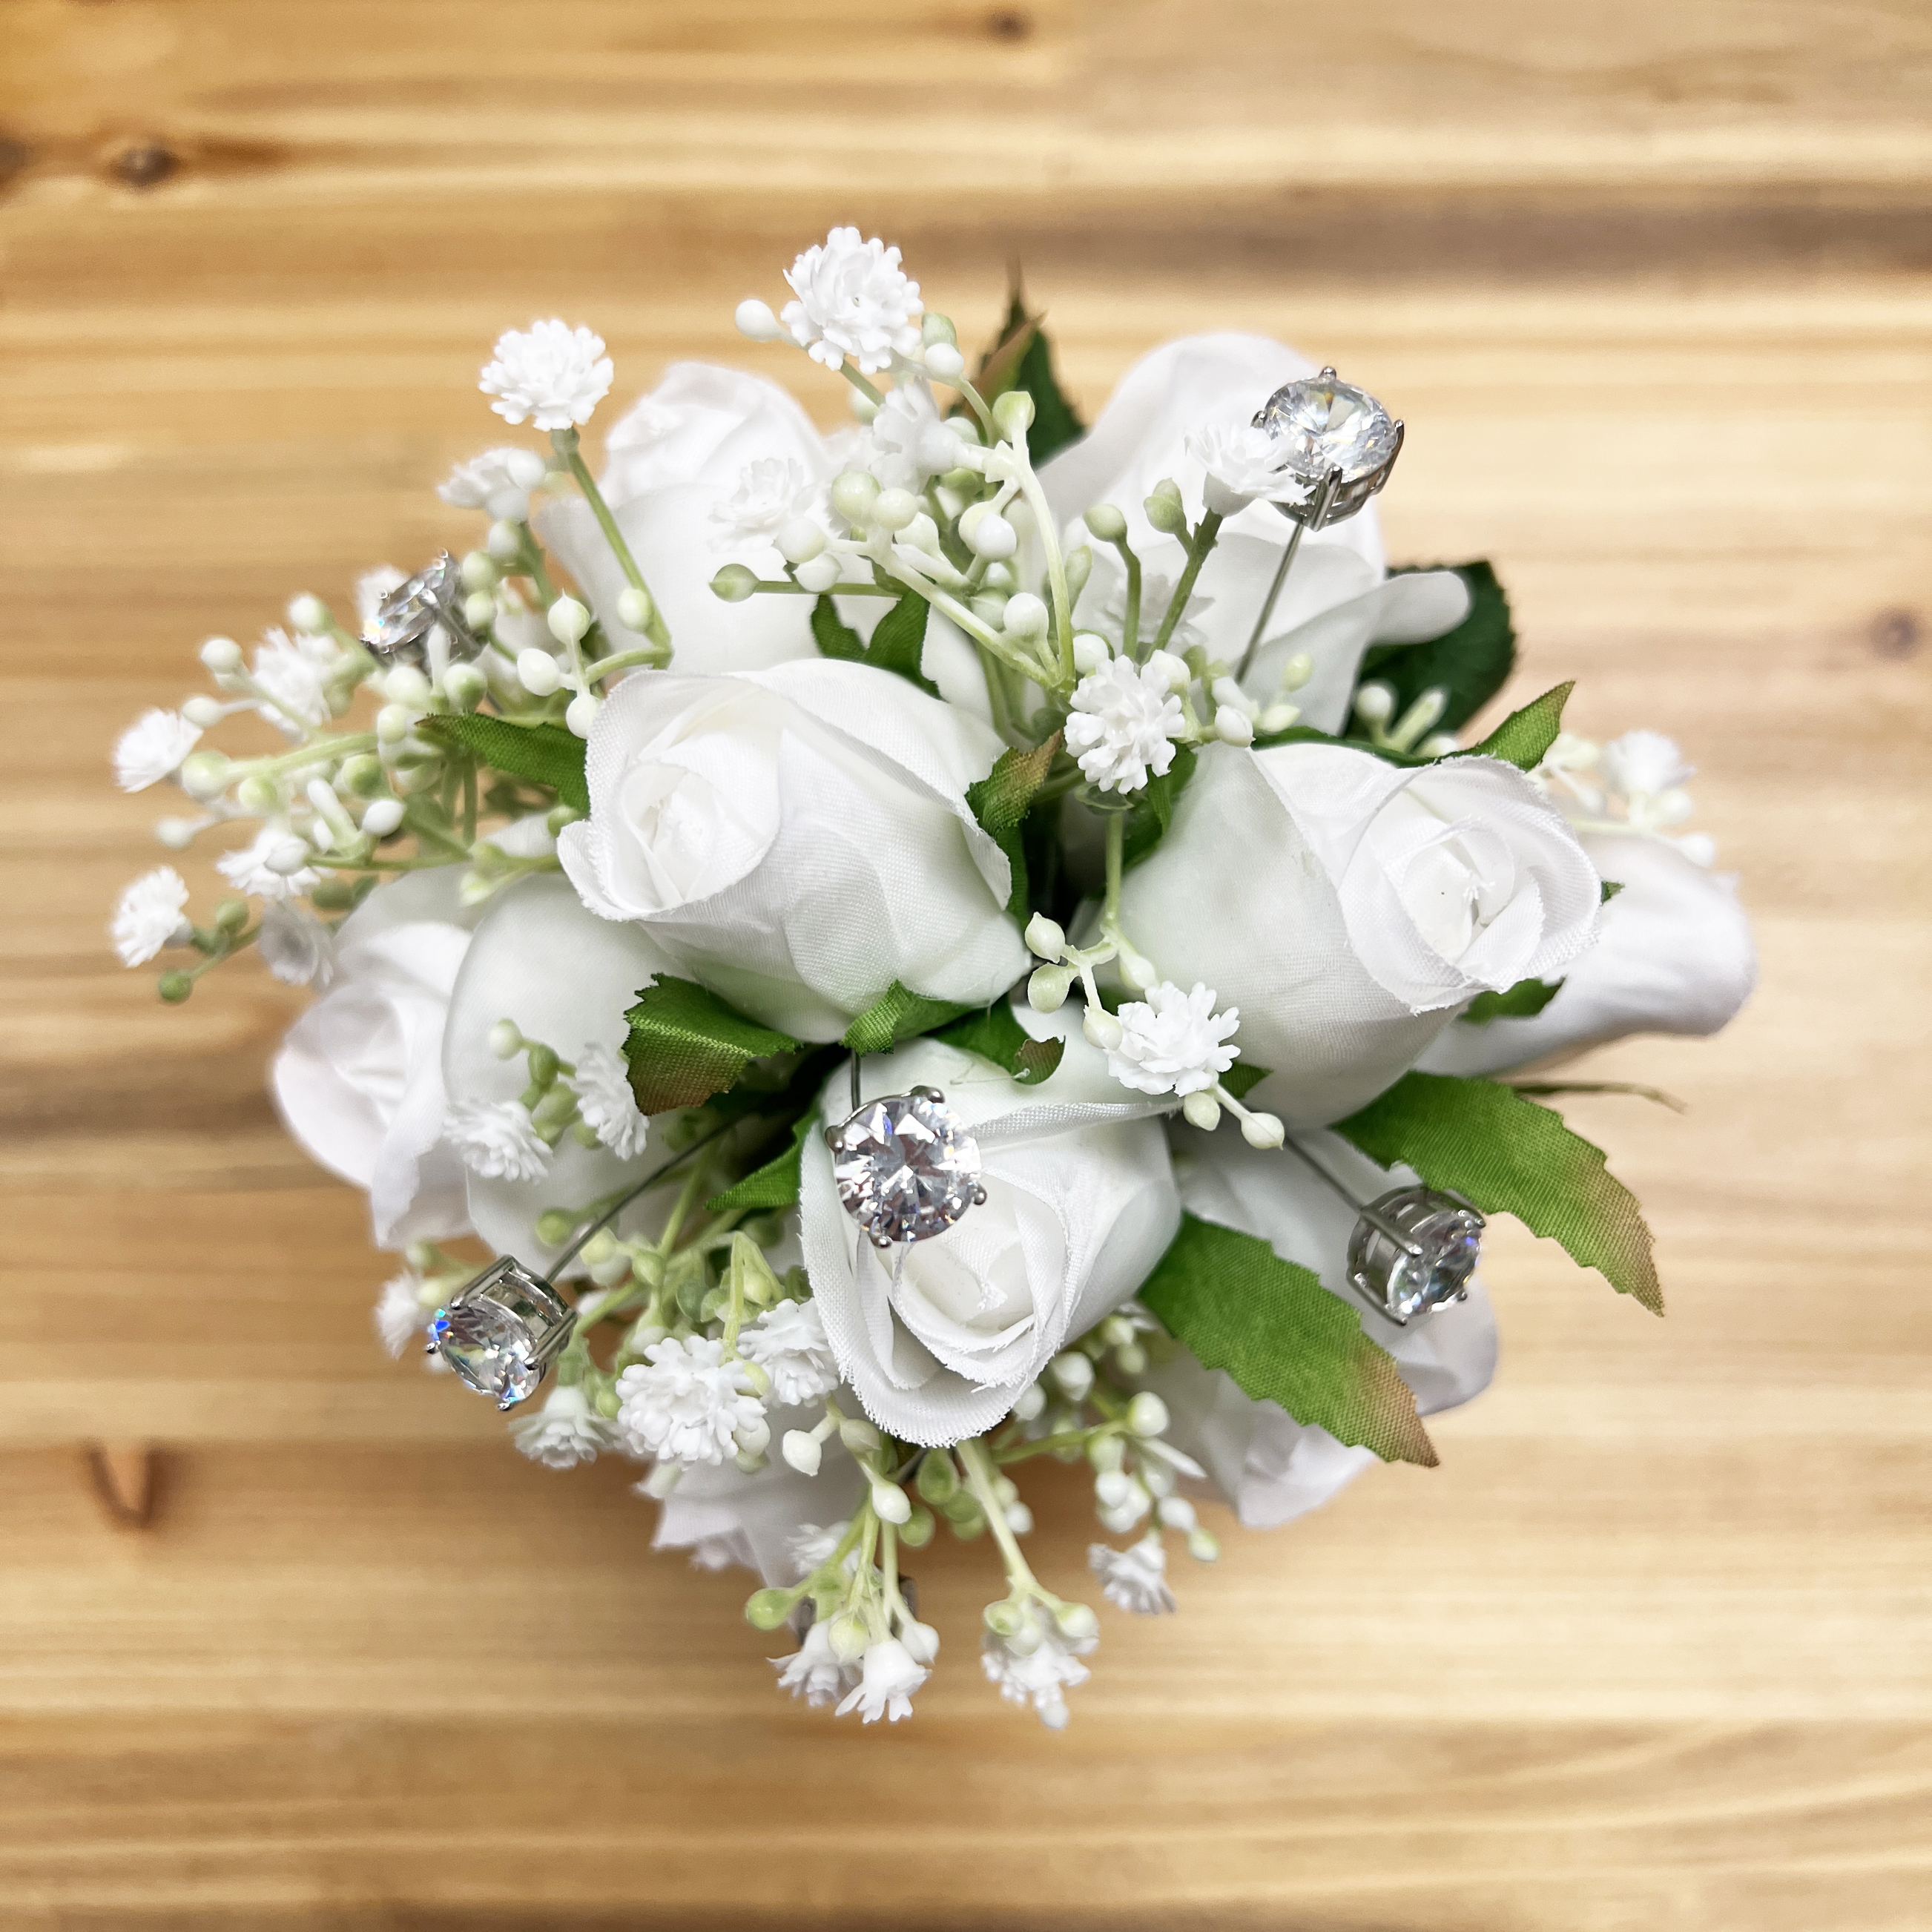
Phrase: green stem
pixel 1202 541
pixel 1130 627
pixel 977 403
pixel 783 587
pixel 1117 835
pixel 858 383
pixel 981 1477
pixel 1056 565
pixel 565 442
pixel 322 751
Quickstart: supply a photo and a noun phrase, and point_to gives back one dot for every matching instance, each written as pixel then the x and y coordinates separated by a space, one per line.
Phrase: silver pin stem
pixel 1381 1223
pixel 855 1103
pixel 1318 513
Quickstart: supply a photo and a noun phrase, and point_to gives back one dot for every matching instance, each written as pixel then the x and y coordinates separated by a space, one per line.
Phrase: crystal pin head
pixel 904 1168
pixel 405 618
pixel 1413 1252
pixel 1337 439
pixel 501 1332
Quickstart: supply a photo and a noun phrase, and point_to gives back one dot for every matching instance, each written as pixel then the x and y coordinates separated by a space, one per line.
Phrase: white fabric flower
pixel 552 373
pixel 565 1432
pixel 889 1678
pixel 1043 1675
pixel 1172 1042
pixel 602 1085
pixel 1267 1466
pixel 249 870
pixel 152 748
pixel 939 1340
pixel 763 1516
pixel 499 481
pixel 1368 901
pixel 496 1139
pixel 685 1402
pixel 400 1313
pixel 812 1672
pixel 1133 1579
pixel 292 671
pixel 359 1077
pixel 1124 721
pixel 1241 463
pixel 295 947
pixel 797 840
pixel 771 491
pixel 854 301
pixel 149 916
pixel 1673 954
pixel 788 1342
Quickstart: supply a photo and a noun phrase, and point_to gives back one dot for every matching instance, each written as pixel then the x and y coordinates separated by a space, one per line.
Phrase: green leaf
pixel 1468 665
pixel 547 754
pixel 1284 1338
pixel 1609 890
pixel 898 639
pixel 1154 811
pixel 1000 802
pixel 897 1014
pixel 774 1185
pixel 1522 1001
pixel 1055 424
pixel 686 1045
pixel 1241 1077
pixel 834 637
pixel 995 1034
pixel 1484 1141
pixel 1524 736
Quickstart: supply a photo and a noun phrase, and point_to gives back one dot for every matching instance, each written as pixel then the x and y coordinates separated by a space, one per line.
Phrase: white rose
pixel 937 1340
pixel 1673 954
pixel 1339 598
pixel 359 1078
pixel 566 978
pixel 798 839
pixel 678 468
pixel 1267 1466
pixel 1347 906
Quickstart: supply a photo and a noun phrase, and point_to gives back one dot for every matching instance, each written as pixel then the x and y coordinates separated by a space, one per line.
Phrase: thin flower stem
pixel 1031 488
pixel 1067 1438
pixel 533 563
pixel 783 587
pixel 1130 627
pixel 977 403
pixel 322 752
pixel 986 639
pixel 565 443
pixel 1117 836
pixel 872 395
pixel 1205 532
pixel 981 1477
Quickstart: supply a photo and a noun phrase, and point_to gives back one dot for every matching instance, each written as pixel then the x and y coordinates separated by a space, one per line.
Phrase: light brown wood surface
pixel 1652 284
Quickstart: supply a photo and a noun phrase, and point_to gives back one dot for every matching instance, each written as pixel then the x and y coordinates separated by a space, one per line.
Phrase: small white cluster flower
pixel 1635 782
pixel 1243 463
pixel 565 1432
pixel 149 916
pixel 602 1085
pixel 1644 764
pixel 401 1311
pixel 296 947
pixel 1124 721
pixel 496 1139
pixel 550 372
pixel 273 865
pixel 788 1342
pixel 498 481
pixel 1039 1667
pixel 1172 1042
pixel 1134 1579
pixel 889 1677
pixel 292 674
pixel 813 1672
pixel 152 748
pixel 811 1548
pixel 770 492
pixel 854 302
pixel 907 443
pixel 686 1402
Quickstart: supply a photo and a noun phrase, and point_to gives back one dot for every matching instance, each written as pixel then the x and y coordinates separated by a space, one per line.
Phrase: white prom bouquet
pixel 847 964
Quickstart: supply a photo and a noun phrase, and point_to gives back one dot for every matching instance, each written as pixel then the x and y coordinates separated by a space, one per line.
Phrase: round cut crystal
pixel 905 1169
pixel 490 1348
pixel 1325 424
pixel 1445 1235
pixel 1451 1248
pixel 405 618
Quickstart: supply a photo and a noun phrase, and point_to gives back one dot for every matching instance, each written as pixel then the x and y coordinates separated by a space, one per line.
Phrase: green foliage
pixel 1022 359
pixel 995 1034
pixel 1241 1078
pixel 774 1185
pixel 1284 1338
pixel 1524 736
pixel 686 1045
pixel 1608 890
pixel 1522 1001
pixel 898 639
pixel 897 1014
pixel 546 754
pixel 1485 1142
pixel 1000 802
pixel 1153 811
pixel 1468 665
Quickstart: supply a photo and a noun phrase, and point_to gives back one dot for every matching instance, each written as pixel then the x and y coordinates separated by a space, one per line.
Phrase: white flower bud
pixel 1019 1518
pixel 478 570
pixel 734 584
pixel 753 1439
pixel 1090 652
pixel 988 534
pixel 1013 414
pixel 1177 1513
pixel 202 710
pixel 1147 1414
pixel 1139 972
pixel 527 468
pixel 1113 1490
pixel 854 493
pixel 1442 745
pixel 479 610
pixel 1225 691
pixel 1026 616
pixel 1233 727
pixel 569 620
pixel 176 834
pixel 939 448
pixel 934 327
pixel 663 1478
pixel 582 713
pixel 1101 1028
pixel 506 1038
pixel 538 672
pixel 923 533
pixel 1106 522
pixel 1202 1110
pixel 859 1437
pixel 1073 1373
pixel 820 573
pixel 204 775
pixel 1278 717
pixel 1174 669
pixel 890 1503
pixel 1031 1405
pixel 850 1638
pixel 1263 1130
pixel 405 685
pixel 634 607
pixel 287 855
pixel 1046 937
pixel 1374 704
pixel 505 541
pixel 800 540
pixel 893 509
pixel 1077 1621
pixel 1157 1478
pixel 1106 1453
pixel 921 1640
pixel 756 321
pixel 944 360
pixel 383 818
pixel 1048 987
pixel 308 612
pixel 258 794
pixel 1164 510
pixel 465 686
pixel 221 655
pixel 800 1449
pixel 1202 1547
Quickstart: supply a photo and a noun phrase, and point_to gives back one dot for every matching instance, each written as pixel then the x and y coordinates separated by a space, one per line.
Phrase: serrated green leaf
pixel 1153 811
pixel 834 637
pixel 1522 1001
pixel 774 1185
pixel 995 1034
pixel 898 639
pixel 1000 802
pixel 1055 423
pixel 1284 1338
pixel 897 1014
pixel 1524 736
pixel 1469 665
pixel 546 754
pixel 1485 1141
pixel 686 1045
pixel 1241 1078
pixel 1608 889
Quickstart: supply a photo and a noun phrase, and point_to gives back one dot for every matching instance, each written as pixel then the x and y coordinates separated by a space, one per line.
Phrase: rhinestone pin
pixel 1413 1252
pixel 1337 439
pixel 904 1168
pixel 501 1331
pixel 405 618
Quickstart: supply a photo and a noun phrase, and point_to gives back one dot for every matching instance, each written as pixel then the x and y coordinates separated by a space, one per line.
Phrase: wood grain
pixel 1652 286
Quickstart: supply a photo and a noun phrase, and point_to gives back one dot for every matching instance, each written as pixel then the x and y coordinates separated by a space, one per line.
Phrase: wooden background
pixel 1651 283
